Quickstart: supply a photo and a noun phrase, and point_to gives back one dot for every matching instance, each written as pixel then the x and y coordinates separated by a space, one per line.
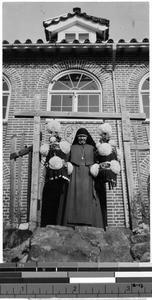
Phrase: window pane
pixel 84 80
pixel 90 86
pixel 83 108
pixel 94 100
pixel 83 36
pixel 82 100
pixel 5 99
pixel 67 100
pixel 75 79
pixel 93 109
pixel 146 111
pixel 67 108
pixel 56 100
pixel 145 99
pixel 4 112
pixel 145 85
pixel 56 108
pixel 70 37
pixel 5 85
pixel 56 103
pixel 65 80
pixel 60 86
pixel 83 103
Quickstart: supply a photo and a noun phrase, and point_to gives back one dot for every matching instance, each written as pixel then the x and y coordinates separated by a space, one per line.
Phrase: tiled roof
pixel 40 41
pixel 76 12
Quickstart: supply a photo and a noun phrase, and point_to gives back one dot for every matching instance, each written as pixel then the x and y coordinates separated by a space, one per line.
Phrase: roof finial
pixel 77 9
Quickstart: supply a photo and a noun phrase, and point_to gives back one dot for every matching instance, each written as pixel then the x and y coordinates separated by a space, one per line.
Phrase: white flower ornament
pixel 106 128
pixel 112 143
pixel 44 149
pixel 94 170
pixel 52 139
pixel 55 163
pixel 115 167
pixel 104 149
pixel 53 125
pixel 65 147
pixel 70 168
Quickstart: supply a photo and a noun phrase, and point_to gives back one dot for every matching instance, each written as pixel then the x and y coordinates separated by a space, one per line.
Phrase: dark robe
pixel 82 205
pixel 104 176
pixel 55 181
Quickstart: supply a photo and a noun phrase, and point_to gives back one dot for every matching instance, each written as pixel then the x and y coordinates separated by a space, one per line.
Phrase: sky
pixel 24 20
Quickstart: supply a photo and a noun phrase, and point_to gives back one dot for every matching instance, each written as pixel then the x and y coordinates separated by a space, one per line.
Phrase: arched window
pixel 144 95
pixel 6 97
pixel 74 91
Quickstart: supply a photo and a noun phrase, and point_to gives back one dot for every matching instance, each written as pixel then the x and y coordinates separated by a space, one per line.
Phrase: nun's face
pixel 82 139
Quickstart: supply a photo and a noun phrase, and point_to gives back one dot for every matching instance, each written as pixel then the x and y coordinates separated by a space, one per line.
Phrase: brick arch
pixel 144 170
pixel 137 75
pixel 145 166
pixel 79 64
pixel 14 77
pixel 6 172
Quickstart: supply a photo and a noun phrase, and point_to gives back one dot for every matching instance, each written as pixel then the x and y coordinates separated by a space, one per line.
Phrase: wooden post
pixel 41 186
pixel 126 134
pixel 138 168
pixel 12 181
pixel 29 184
pixel 20 178
pixel 35 168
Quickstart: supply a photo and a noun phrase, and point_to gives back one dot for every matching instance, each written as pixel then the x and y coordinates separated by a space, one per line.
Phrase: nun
pixel 82 207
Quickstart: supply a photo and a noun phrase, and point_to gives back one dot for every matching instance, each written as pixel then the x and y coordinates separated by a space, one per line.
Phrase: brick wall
pixel 31 72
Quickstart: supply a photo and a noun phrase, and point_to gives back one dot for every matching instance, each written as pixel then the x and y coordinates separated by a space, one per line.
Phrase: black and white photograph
pixel 76 132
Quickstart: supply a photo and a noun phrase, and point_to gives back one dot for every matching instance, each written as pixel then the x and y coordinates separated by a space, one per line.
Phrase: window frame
pixel 5 120
pixel 77 36
pixel 73 91
pixel 142 92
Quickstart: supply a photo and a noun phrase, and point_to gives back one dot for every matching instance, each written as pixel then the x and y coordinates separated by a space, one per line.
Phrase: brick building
pixel 82 78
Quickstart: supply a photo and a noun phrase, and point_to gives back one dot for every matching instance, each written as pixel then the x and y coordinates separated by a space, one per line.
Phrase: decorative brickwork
pixel 13 76
pixel 30 74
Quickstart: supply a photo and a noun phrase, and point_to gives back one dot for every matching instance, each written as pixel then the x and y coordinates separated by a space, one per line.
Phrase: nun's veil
pixel 84 131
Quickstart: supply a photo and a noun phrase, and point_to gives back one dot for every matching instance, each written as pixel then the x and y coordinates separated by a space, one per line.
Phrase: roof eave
pixel 73 45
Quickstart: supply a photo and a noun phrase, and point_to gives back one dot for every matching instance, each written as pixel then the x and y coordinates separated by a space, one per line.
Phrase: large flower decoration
pixel 44 149
pixel 55 163
pixel 115 167
pixel 94 170
pixel 70 168
pixel 112 143
pixel 104 149
pixel 53 125
pixel 65 147
pixel 106 128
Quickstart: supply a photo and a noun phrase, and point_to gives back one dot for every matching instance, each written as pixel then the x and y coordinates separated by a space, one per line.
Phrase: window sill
pixel 147 121
pixel 5 122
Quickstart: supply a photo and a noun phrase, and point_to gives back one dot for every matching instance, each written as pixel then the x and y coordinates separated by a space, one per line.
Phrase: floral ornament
pixel 70 168
pixel 104 149
pixel 44 149
pixel 55 163
pixel 115 167
pixel 52 139
pixel 53 125
pixel 94 170
pixel 112 143
pixel 65 147
pixel 106 128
